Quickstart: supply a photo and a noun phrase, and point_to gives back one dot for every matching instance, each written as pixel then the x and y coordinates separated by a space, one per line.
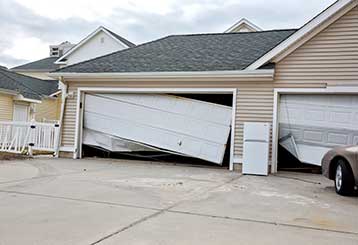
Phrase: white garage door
pixel 318 123
pixel 176 124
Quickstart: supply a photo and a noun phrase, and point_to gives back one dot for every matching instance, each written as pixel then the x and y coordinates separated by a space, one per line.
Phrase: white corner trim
pixel 241 22
pixel 305 30
pixel 85 40
pixel 269 73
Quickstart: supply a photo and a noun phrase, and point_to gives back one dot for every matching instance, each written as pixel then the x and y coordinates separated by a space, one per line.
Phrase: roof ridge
pixel 233 33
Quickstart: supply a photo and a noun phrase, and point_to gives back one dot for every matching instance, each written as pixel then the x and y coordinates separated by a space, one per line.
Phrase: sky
pixel 30 26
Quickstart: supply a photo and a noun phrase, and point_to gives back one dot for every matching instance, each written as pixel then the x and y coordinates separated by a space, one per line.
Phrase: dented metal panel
pixel 318 123
pixel 185 126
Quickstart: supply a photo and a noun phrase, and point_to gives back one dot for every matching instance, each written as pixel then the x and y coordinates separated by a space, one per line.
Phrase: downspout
pixel 64 95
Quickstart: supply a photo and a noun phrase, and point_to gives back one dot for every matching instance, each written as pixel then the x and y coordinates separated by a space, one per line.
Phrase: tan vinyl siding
pixel 48 110
pixel 6 107
pixel 331 57
pixel 254 103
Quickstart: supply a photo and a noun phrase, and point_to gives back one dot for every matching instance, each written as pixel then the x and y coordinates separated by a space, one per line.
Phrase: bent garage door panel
pixel 319 123
pixel 190 127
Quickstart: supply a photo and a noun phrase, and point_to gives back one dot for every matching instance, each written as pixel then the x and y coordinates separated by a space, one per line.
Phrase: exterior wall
pixel 49 109
pixel 329 58
pixel 39 75
pixel 254 103
pixel 95 48
pixel 6 107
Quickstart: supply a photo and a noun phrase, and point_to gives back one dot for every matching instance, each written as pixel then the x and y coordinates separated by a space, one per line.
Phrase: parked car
pixel 341 165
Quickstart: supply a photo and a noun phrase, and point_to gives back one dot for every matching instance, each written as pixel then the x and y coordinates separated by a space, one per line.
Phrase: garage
pixel 310 124
pixel 180 125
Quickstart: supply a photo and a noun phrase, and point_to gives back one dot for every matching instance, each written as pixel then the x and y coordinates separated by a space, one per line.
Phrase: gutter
pixel 269 73
pixel 20 97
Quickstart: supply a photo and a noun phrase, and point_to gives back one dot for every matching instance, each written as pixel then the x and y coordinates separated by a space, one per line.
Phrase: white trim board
pixel 316 25
pixel 279 91
pixel 243 21
pixel 82 90
pixel 269 73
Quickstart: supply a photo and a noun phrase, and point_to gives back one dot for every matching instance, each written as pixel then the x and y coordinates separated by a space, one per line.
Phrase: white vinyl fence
pixel 19 137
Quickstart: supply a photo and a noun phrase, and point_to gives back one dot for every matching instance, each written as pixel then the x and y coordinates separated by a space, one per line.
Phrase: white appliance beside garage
pixel 311 125
pixel 164 122
pixel 256 148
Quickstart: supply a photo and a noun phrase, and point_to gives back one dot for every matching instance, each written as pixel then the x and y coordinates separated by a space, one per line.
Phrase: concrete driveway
pixel 62 201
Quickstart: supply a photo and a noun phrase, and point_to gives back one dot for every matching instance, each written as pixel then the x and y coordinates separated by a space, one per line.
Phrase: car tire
pixel 343 179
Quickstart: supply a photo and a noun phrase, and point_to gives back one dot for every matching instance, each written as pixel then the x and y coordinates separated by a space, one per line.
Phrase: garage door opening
pixel 312 124
pixel 179 128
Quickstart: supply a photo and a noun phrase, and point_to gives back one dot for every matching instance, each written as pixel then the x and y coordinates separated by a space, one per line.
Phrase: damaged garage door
pixel 311 125
pixel 147 122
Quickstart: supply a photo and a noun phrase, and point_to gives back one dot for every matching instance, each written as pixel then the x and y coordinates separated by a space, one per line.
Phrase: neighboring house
pixel 23 98
pixel 40 68
pixel 243 25
pixel 317 62
pixel 100 42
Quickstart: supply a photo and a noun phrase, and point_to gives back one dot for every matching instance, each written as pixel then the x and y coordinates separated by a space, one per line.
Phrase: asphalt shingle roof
pixel 196 52
pixel 46 64
pixel 29 87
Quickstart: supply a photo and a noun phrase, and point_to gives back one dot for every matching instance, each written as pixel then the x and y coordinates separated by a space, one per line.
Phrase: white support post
pixel 56 139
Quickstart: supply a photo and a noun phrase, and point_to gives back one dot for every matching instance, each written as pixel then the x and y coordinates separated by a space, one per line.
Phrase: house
pixel 313 69
pixel 100 42
pixel 23 98
pixel 40 68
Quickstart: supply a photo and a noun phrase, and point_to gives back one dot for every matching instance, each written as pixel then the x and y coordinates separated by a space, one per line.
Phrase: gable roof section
pixel 309 30
pixel 29 87
pixel 187 53
pixel 111 34
pixel 242 24
pixel 122 39
pixel 46 64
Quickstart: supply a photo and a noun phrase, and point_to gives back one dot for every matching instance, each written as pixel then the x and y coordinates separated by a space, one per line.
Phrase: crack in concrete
pixel 79 200
pixel 298 179
pixel 160 212
pixel 262 222
pixel 52 175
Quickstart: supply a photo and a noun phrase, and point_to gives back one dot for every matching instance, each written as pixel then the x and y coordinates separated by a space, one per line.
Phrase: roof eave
pixel 241 74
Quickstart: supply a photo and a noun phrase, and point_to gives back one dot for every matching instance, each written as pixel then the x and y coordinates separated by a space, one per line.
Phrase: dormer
pixel 243 25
